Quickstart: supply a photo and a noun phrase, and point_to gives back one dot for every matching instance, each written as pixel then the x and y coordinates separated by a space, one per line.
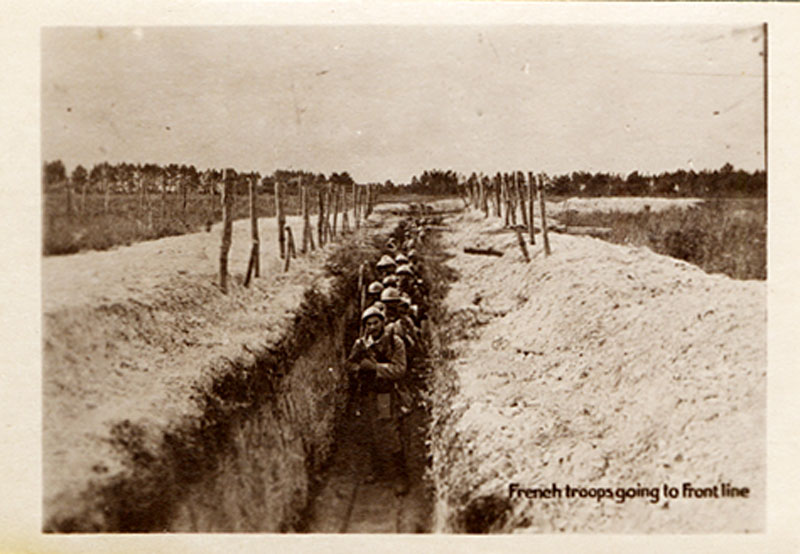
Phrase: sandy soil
pixel 601 366
pixel 621 204
pixel 128 333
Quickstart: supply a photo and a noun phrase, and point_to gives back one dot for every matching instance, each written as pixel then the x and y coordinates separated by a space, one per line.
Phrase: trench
pixel 278 445
pixel 342 502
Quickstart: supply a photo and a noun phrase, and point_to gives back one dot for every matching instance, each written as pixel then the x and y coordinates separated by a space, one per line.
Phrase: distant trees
pixel 149 179
pixel 53 174
pixel 724 182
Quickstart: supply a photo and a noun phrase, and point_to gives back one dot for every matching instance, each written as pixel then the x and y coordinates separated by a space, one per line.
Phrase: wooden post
pixel 361 298
pixel 212 206
pixel 506 203
pixel 512 199
pixel 521 200
pixel 345 218
pixel 311 238
pixel 498 196
pixel 253 265
pixel 480 192
pixel 522 247
pixel 254 226
pixel 356 223
pixel 321 218
pixel 227 227
pixel 290 252
pixel 482 251
pixel 531 203
pixel 304 211
pixel 544 218
pixel 335 208
pixel 328 209
pixel 281 216
pixel 361 210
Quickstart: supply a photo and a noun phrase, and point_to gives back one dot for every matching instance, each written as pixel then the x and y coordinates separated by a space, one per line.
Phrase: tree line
pixel 724 182
pixel 128 178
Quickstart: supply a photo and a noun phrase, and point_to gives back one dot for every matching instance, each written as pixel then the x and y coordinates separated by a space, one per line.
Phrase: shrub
pixel 721 236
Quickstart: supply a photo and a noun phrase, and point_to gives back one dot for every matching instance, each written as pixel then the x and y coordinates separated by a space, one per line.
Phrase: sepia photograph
pixel 390 279
pixel 394 276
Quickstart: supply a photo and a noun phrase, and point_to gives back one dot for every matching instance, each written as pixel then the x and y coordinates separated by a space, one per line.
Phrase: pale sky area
pixel 387 102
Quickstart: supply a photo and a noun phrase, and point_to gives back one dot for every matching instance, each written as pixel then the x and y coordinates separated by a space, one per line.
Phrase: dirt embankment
pixel 601 366
pixel 168 405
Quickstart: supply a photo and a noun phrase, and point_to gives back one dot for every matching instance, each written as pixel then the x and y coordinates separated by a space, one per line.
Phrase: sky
pixel 387 102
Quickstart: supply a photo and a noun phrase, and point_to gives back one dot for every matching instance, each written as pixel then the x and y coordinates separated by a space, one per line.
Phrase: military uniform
pixel 381 364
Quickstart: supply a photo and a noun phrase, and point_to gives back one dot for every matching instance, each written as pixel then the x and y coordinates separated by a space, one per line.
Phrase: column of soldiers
pixel 385 359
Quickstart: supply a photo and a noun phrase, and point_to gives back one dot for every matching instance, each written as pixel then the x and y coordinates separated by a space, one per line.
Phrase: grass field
pixel 721 236
pixel 127 221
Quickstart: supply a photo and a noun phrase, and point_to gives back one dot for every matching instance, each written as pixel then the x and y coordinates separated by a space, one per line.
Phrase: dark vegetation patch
pixel 484 513
pixel 721 235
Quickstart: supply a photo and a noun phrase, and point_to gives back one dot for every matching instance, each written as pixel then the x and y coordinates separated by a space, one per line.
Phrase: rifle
pixel 362 299
pixel 360 380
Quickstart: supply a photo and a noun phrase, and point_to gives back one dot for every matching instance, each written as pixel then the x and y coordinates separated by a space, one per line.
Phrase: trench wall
pixel 265 425
pixel 262 481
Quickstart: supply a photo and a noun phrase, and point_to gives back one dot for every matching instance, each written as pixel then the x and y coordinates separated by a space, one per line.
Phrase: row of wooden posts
pixel 510 196
pixel 333 203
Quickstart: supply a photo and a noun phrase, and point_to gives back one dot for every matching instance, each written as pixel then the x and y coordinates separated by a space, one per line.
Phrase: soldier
pixel 390 297
pixel 401 259
pixel 379 360
pixel 386 266
pixel 374 291
pixel 390 281
pixel 405 277
pixel 406 325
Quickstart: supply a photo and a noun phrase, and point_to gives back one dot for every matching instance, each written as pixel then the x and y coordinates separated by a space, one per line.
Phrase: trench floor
pixel 344 503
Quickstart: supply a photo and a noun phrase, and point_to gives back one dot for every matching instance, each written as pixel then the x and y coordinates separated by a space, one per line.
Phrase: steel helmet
pixel 372 311
pixel 390 294
pixel 375 287
pixel 401 259
pixel 386 261
pixel 404 269
pixel 390 281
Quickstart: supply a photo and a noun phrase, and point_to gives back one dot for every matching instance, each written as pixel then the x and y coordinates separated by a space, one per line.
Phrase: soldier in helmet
pixel 390 281
pixel 405 326
pixel 374 291
pixel 379 359
pixel 386 266
pixel 390 297
pixel 405 277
